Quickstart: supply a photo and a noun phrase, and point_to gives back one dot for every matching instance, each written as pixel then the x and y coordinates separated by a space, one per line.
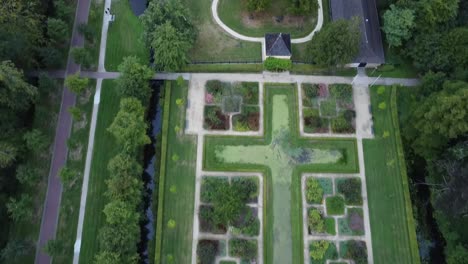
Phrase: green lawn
pixel 124 37
pixel 104 149
pixel 213 44
pixel 235 15
pixel 348 164
pixel 71 194
pixel 391 218
pixel 177 182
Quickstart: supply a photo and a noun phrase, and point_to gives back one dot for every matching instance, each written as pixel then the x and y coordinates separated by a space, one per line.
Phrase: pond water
pixel 138 6
pixel 147 223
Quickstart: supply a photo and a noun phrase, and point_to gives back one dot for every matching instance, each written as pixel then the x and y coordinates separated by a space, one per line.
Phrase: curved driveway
pixel 214 11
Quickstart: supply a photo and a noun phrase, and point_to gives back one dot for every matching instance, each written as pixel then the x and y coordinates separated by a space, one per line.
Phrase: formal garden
pixel 328 108
pixel 232 106
pixel 334 218
pixel 229 207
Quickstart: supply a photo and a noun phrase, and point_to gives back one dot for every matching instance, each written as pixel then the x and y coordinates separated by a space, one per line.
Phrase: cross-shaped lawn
pixel 281 155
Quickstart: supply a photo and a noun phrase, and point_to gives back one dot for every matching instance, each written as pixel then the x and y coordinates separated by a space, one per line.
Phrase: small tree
pixel 398 25
pixel 35 140
pixel 57 30
pixel 67 175
pixel 81 56
pixel 76 83
pixel 21 209
pixel 171 223
pixel 8 154
pixel 27 175
pixel 76 113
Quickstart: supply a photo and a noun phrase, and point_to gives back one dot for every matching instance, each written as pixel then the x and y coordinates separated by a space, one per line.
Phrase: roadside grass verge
pixel 233 13
pixel 349 165
pixel 124 37
pixel 391 217
pixel 177 185
pixel 71 193
pixel 96 13
pixel 105 148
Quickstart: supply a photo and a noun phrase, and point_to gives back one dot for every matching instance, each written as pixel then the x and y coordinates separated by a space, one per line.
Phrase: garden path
pixel 92 130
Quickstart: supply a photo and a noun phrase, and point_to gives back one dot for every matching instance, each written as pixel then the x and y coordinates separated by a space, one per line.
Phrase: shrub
pixel 381 90
pixel 207 251
pixel 214 118
pixel 351 189
pixel 246 187
pixel 75 113
pixel 275 64
pixel 214 87
pixel 243 248
pixel 328 108
pixel 209 187
pixel 357 251
pixel 318 249
pixel 342 92
pixel 249 92
pixel 382 106
pixel 313 123
pixel 314 191
pixel 340 125
pixel 247 223
pixel 310 90
pixel 315 221
pixel 171 223
pixel 335 205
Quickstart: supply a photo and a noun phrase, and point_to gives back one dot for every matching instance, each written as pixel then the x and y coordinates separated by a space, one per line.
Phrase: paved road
pixel 59 157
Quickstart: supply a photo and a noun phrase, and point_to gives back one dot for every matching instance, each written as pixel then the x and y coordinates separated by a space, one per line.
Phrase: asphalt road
pixel 59 156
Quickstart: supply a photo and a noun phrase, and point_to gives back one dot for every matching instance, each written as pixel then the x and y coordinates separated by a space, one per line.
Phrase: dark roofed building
pixel 278 45
pixel 371 49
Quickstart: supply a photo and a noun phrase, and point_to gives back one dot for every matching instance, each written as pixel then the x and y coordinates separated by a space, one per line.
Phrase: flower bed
pixel 328 108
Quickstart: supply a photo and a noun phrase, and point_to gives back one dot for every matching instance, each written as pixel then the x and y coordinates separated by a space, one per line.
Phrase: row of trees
pixel 119 237
pixel 434 36
pixel 169 32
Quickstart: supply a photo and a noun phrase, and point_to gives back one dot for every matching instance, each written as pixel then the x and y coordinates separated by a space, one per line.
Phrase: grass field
pixel 124 36
pixel 235 15
pixel 178 186
pixel 104 150
pixel 391 218
pixel 212 43
pixel 349 164
pixel 70 201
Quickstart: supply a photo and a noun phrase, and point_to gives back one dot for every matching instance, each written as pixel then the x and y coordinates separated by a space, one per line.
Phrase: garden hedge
pixel 275 64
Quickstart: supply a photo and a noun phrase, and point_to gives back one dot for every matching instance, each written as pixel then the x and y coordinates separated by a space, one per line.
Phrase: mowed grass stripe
pixel 389 210
pixel 178 204
pixel 124 37
pixel 105 148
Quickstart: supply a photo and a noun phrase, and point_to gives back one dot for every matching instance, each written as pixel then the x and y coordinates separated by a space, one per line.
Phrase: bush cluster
pixel 314 192
pixel 351 189
pixel 335 205
pixel 277 65
pixel 243 248
pixel 207 251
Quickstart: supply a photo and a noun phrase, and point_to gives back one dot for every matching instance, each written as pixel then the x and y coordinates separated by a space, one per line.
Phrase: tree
pixel 76 83
pixel 125 188
pixel 122 239
pixel 440 117
pixel 121 213
pixel 8 154
pixel 50 56
pixel 336 44
pixel 67 175
pixel 134 79
pixel 458 256
pixel 57 30
pixel 81 56
pixel 124 165
pixel 87 31
pixel 432 82
pixel 46 84
pixel 433 12
pixel 15 249
pixel 106 257
pixel 170 47
pixel 20 210
pixel 129 126
pixel 27 174
pixel 398 25
pixel 35 140
pixel 15 93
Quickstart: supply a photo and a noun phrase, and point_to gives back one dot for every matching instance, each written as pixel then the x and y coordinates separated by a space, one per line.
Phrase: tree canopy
pixel 337 43
pixel 170 47
pixel 134 79
pixel 398 24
